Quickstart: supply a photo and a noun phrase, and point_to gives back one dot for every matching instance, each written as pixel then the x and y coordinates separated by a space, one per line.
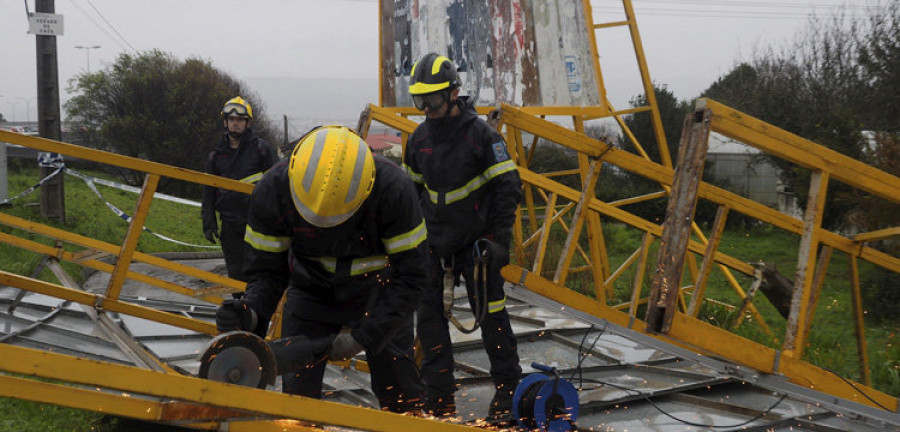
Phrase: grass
pixel 86 214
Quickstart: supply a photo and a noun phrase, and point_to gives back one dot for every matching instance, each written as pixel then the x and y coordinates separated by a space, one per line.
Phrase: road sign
pixel 45 24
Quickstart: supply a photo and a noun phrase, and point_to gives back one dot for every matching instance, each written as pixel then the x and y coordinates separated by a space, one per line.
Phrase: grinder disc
pixel 239 357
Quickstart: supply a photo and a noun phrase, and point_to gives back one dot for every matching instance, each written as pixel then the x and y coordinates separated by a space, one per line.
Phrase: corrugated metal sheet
pixel 627 381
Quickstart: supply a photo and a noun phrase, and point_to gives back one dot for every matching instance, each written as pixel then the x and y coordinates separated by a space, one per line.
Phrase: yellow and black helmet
pixel 433 73
pixel 331 173
pixel 237 107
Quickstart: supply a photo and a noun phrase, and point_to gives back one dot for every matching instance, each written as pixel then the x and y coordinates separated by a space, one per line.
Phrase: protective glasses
pixel 431 100
pixel 234 110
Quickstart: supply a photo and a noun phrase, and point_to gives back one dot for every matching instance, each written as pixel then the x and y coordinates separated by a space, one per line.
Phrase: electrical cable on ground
pixel 646 397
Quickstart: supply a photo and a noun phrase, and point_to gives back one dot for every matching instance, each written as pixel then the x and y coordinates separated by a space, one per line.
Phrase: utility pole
pixel 53 204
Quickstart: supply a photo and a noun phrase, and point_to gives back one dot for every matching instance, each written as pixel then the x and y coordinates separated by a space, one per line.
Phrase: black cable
pixel 850 383
pixel 111 26
pixel 581 380
pixel 687 422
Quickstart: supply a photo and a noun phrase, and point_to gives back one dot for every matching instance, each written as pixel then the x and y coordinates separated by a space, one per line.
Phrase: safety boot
pixel 500 412
pixel 442 406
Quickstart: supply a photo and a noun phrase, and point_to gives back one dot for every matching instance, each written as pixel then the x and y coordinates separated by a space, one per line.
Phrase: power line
pixel 742 4
pixel 111 26
pixel 720 14
pixel 99 27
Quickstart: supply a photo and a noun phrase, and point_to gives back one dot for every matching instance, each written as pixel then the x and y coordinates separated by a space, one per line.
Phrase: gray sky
pixel 688 43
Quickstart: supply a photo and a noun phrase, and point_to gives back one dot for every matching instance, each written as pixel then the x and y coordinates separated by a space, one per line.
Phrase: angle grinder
pixel 243 358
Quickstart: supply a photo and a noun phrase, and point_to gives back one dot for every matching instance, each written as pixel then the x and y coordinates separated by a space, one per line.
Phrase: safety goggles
pixel 234 110
pixel 431 101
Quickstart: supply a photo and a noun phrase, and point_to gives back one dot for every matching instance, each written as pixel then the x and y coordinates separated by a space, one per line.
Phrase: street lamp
pixel 88 50
pixel 28 107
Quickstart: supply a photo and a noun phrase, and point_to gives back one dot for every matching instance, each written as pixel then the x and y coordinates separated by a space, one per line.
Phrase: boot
pixel 441 407
pixel 500 413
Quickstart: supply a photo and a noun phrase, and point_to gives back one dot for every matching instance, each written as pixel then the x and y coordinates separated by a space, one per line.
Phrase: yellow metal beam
pixel 781 143
pixel 706 265
pixel 663 176
pixel 135 227
pixel 795 334
pixel 858 321
pixel 111 249
pixel 112 305
pixel 877 235
pixel 706 339
pixel 118 404
pixel 127 162
pixel 627 218
pixel 227 396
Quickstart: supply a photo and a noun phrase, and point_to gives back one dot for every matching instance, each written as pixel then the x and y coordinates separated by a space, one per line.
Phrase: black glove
pixel 344 347
pixel 234 314
pixel 211 235
pixel 494 255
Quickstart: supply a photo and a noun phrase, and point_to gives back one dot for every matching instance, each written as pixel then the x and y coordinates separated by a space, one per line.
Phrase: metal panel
pixel 540 52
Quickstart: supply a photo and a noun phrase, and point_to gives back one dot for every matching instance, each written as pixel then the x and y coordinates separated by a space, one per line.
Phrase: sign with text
pixel 45 24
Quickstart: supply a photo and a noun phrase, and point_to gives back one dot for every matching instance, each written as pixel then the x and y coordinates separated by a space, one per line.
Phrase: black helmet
pixel 433 73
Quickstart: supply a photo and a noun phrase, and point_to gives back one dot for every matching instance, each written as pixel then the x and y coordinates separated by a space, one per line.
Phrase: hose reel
pixel 545 401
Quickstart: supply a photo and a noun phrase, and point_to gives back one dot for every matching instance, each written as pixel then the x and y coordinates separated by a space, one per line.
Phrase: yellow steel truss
pixel 168 397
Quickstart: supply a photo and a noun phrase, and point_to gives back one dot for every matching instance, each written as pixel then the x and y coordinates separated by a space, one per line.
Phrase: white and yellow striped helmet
pixel 331 173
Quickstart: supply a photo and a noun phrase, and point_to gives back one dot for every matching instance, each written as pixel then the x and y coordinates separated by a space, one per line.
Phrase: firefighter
pixel 469 189
pixel 342 232
pixel 239 155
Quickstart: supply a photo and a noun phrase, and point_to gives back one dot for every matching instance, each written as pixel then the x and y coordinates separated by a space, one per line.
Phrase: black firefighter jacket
pixel 246 163
pixel 469 186
pixel 367 272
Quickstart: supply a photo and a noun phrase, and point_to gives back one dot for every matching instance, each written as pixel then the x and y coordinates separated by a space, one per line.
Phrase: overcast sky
pixel 688 43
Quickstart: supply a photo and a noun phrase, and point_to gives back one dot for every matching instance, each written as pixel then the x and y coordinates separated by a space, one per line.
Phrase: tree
pixel 671 112
pixel 156 107
pixel 879 61
pixel 814 88
pixel 618 184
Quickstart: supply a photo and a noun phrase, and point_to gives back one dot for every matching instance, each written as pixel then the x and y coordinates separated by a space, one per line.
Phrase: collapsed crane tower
pixel 540 63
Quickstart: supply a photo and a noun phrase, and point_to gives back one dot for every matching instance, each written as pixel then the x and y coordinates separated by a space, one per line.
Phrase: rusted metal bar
pixel 677 227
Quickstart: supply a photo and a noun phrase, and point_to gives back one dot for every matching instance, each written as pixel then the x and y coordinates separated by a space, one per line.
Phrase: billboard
pixel 521 52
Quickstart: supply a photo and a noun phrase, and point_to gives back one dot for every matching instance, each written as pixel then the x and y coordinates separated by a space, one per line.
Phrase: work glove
pixel 211 235
pixel 344 347
pixel 494 255
pixel 234 314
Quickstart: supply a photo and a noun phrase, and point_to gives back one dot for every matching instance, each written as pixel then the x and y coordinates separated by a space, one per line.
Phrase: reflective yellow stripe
pixel 266 243
pixel 474 184
pixel 416 177
pixel 358 266
pixel 253 178
pixel 497 306
pixel 406 241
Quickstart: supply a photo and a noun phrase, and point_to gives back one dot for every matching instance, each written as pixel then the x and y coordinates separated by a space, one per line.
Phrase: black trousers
pixel 434 334
pixel 232 238
pixel 395 378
